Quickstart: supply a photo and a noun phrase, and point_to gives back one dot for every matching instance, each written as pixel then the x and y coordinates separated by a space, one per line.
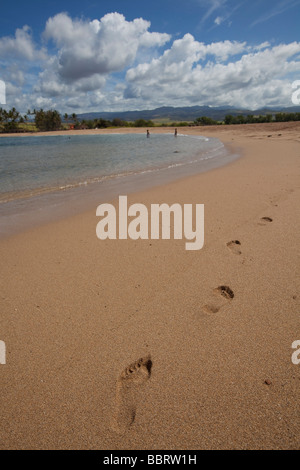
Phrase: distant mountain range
pixel 185 113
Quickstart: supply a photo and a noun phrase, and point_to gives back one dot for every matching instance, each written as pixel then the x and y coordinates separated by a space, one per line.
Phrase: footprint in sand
pixel 234 247
pixel 128 385
pixel 265 220
pixel 223 292
pixel 209 308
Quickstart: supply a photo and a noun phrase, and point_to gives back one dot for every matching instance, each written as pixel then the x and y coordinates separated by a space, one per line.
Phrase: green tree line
pixel 251 119
pixel 51 120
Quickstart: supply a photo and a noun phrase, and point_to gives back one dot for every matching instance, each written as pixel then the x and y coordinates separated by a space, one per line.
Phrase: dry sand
pixel 129 344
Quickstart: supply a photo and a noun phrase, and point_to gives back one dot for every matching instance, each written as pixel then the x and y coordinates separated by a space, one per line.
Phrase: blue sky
pixel 79 56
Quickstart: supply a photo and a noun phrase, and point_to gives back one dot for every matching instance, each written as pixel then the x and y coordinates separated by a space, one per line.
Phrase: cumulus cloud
pixel 21 46
pixel 100 46
pixel 114 64
pixel 50 84
pixel 177 63
pixel 188 77
pixel 88 52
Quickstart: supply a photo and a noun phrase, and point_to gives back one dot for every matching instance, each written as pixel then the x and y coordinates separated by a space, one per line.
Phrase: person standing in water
pixel 148 133
pixel 175 133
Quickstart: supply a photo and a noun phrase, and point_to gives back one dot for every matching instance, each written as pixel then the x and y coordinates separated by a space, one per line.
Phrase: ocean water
pixel 32 165
pixel 40 174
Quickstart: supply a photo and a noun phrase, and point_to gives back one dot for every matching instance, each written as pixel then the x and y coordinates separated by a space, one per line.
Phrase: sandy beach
pixel 123 344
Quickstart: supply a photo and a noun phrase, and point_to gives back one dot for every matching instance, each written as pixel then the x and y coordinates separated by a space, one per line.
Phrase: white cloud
pixel 219 20
pixel 88 52
pixel 177 63
pixel 211 6
pixel 225 11
pixel 224 49
pixel 80 75
pixel 186 78
pixel 20 47
pixel 101 46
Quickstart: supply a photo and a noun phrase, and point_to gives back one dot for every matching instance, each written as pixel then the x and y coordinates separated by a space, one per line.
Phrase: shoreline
pixel 77 312
pixel 46 205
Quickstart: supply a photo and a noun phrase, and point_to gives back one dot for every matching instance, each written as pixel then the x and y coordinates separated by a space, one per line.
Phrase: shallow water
pixel 33 165
pixel 46 178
